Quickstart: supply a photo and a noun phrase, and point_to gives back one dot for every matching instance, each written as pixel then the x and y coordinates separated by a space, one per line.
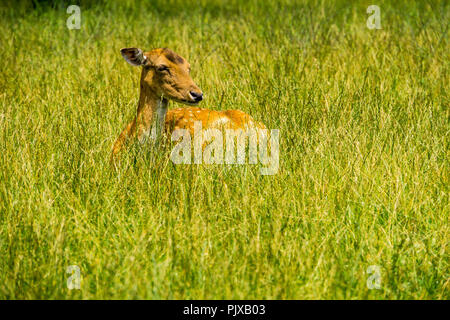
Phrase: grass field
pixel 363 178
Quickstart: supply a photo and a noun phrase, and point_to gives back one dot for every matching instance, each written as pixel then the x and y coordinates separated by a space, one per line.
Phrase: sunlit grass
pixel 363 179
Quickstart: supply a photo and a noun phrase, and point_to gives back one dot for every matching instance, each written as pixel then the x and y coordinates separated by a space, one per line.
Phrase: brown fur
pixel 172 56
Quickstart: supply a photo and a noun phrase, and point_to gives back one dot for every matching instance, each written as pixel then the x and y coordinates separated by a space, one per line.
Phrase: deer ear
pixel 134 56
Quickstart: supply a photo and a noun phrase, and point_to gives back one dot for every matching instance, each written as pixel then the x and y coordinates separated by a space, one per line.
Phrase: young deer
pixel 165 75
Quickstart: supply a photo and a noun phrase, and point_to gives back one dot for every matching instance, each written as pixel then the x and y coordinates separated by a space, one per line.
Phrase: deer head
pixel 165 75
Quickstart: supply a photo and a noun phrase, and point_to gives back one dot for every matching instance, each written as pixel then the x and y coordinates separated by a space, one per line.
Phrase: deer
pixel 166 76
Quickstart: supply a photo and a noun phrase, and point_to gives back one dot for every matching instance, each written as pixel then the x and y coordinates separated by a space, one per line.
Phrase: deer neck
pixel 150 118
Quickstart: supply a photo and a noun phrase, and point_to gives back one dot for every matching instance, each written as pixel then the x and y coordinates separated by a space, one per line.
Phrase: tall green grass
pixel 364 143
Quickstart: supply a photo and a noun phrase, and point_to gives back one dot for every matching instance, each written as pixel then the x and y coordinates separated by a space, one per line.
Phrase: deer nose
pixel 197 96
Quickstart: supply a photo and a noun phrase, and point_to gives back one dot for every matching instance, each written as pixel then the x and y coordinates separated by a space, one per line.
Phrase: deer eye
pixel 162 68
